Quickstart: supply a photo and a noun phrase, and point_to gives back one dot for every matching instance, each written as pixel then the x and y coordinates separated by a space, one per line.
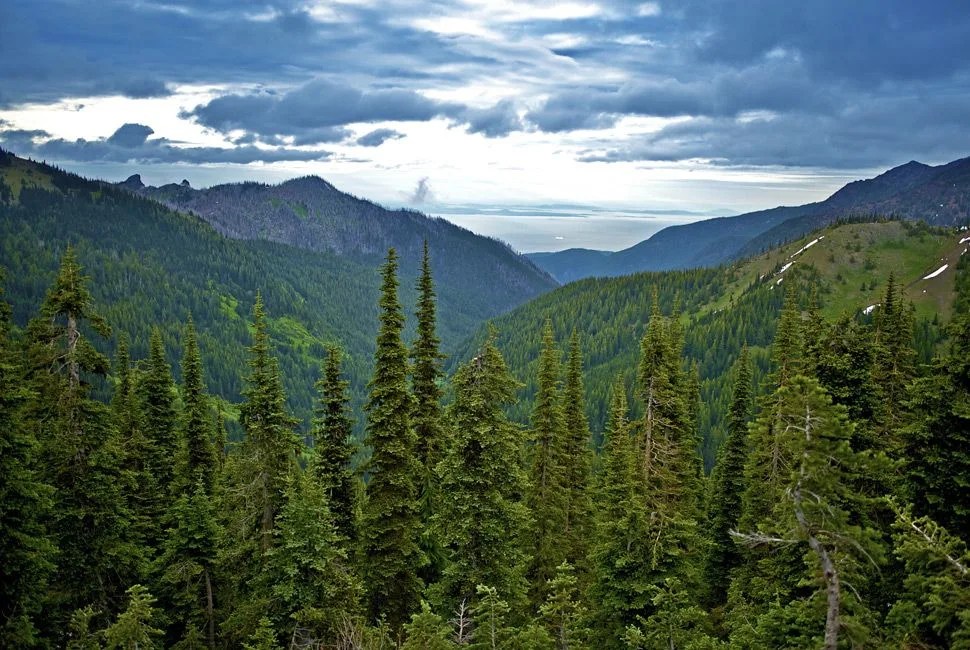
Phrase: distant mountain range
pixel 938 195
pixel 311 213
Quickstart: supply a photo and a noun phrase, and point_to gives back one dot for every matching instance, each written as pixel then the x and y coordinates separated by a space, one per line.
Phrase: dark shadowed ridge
pixel 310 213
pixel 937 195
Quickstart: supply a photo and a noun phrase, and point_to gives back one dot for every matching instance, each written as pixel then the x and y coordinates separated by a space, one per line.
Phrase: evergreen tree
pixel 26 552
pixel 620 545
pixel 159 418
pixel 139 483
pixel 333 442
pixel 787 352
pixel 668 454
pixel 200 456
pixel 257 476
pixel 577 458
pixel 307 576
pixel 814 508
pixel 426 417
pixel 264 638
pixel 894 362
pixel 271 444
pixel 547 497
pixel 933 608
pixel 726 487
pixel 81 450
pixel 391 526
pixel 936 451
pixel 491 631
pixel 563 613
pixel 482 516
pixel 427 631
pixel 133 629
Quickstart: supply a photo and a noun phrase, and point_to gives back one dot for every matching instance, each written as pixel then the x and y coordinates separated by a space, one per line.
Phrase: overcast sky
pixel 550 124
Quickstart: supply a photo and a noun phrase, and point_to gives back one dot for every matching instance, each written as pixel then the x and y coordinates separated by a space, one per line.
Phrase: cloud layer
pixel 822 83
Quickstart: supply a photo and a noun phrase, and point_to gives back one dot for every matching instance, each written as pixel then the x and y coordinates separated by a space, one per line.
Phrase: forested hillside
pixel 311 213
pixel 152 267
pixel 835 515
pixel 846 266
pixel 936 195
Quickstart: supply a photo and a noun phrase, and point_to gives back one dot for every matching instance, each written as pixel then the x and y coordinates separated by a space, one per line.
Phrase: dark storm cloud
pixel 933 126
pixel 314 108
pixel 377 137
pixel 63 48
pixel 814 67
pixel 130 144
pixel 493 122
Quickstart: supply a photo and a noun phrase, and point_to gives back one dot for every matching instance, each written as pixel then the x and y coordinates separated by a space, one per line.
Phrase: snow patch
pixel 936 272
pixel 784 268
pixel 965 239
pixel 779 281
pixel 806 246
pixel 868 310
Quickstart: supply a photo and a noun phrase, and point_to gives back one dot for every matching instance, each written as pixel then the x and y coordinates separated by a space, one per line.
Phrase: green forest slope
pixel 153 266
pixel 724 308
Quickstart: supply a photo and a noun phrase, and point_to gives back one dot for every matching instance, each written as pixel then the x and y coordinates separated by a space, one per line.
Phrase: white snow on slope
pixel 784 268
pixel 868 310
pixel 806 247
pixel 936 272
pixel 965 239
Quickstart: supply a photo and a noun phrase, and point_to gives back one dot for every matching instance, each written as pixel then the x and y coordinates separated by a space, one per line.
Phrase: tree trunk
pixel 210 609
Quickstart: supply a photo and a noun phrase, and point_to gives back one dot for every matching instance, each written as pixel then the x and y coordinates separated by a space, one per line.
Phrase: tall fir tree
pixel 726 488
pixel 426 377
pixel 159 420
pixel 390 528
pixel 620 545
pixel 894 367
pixel 199 457
pixel 271 443
pixel 138 482
pixel 257 477
pixel 936 444
pixel 333 446
pixel 27 553
pixel 547 496
pixel 577 460
pixel 186 566
pixel 482 518
pixel 82 452
pixel 187 561
pixel 667 448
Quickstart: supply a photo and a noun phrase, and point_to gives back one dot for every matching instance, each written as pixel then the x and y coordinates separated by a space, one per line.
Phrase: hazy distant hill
pixel 311 213
pixel 937 195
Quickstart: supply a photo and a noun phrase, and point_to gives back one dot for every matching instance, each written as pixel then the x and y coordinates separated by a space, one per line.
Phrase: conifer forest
pixel 836 512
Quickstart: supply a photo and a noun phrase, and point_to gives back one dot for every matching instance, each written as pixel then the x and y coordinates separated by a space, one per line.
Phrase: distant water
pixel 529 232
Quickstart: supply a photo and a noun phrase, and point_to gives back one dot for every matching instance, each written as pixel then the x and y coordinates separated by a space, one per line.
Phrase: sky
pixel 548 124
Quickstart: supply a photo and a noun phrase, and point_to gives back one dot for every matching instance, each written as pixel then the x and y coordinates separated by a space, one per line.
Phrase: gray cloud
pixel 315 108
pixel 131 135
pixel 809 64
pixel 377 137
pixel 854 138
pixel 493 122
pixel 129 144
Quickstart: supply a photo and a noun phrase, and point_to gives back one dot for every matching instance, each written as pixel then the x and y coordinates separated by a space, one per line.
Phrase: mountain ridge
pixel 907 191
pixel 310 212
